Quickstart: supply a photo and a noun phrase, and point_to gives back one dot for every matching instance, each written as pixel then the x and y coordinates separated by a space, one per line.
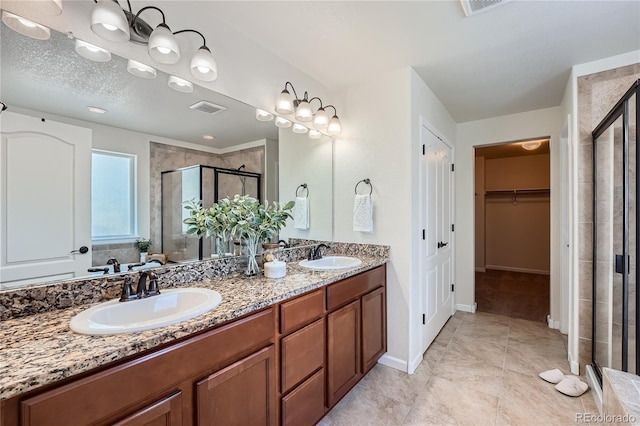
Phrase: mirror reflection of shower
pixel 243 180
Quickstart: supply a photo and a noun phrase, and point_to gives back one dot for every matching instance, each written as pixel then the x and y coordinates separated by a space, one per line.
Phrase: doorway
pixel 512 223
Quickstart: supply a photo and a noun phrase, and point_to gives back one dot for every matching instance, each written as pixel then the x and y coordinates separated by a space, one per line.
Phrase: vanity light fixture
pixel 50 7
pixel 283 122
pixel 302 110
pixel 25 26
pixel 3 106
pixel 89 51
pixel 96 110
pixel 140 70
pixel 112 23
pixel 262 115
pixel 176 83
pixel 299 128
pixel 314 134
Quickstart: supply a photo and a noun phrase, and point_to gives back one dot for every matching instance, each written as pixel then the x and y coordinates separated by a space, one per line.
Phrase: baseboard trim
pixel 393 362
pixel 413 365
pixel 574 365
pixel 595 387
pixel 512 269
pixel 553 324
pixel 467 308
pixel 481 269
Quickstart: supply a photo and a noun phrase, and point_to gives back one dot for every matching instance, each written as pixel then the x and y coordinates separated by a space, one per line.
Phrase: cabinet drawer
pixel 301 354
pixel 305 405
pixel 300 311
pixel 351 288
pixel 118 390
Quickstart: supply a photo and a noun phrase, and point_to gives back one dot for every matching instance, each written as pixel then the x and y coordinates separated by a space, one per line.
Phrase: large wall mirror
pixel 160 128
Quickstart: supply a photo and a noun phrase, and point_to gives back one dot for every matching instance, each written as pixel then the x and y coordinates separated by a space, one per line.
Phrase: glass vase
pixel 252 251
pixel 222 246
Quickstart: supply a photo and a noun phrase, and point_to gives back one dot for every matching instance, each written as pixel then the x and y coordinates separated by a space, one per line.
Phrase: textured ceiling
pixel 509 59
pixel 49 76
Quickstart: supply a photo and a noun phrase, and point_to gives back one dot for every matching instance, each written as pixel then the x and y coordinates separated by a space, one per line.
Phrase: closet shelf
pixel 515 192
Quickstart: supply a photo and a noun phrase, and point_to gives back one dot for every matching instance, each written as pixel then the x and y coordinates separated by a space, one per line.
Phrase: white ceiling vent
pixel 472 7
pixel 207 107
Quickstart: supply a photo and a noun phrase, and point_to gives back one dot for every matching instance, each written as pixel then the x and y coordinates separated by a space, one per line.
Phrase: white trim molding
pixel 553 324
pixel 467 308
pixel 513 269
pixel 393 362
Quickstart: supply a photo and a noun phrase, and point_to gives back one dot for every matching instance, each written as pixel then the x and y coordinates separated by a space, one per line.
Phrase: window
pixel 113 196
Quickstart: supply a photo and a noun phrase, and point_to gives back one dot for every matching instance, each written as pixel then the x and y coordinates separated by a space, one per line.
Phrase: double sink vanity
pixel 264 351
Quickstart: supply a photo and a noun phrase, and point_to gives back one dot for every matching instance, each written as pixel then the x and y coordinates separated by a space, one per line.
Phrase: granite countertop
pixel 41 349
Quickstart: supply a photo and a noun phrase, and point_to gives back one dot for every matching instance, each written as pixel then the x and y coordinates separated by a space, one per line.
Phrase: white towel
pixel 301 213
pixel 363 214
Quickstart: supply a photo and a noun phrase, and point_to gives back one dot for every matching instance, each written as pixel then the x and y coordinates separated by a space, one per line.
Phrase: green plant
pixel 143 244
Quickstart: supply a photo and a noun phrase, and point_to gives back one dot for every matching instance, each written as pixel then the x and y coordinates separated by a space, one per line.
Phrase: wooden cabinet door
pixel 242 394
pixel 343 351
pixel 166 412
pixel 374 327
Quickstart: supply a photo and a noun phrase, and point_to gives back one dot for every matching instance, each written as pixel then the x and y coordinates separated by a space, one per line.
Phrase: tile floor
pixel 482 369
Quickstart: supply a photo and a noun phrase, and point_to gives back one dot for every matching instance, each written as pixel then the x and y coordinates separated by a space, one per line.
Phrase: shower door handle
pixel 620 264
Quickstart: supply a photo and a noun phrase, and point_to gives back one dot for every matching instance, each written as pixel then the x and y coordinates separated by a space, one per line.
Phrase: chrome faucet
pixel 316 253
pixel 116 265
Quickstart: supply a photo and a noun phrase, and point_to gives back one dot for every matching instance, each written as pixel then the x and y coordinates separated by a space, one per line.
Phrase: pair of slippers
pixel 566 384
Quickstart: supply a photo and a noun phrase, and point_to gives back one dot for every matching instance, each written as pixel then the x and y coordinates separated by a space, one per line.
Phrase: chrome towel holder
pixel 367 181
pixel 303 186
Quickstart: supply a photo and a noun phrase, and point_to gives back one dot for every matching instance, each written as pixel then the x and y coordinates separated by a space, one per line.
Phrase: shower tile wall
pixel 597 94
pixel 169 157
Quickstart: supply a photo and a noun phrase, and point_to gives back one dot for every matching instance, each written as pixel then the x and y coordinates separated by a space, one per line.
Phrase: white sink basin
pixel 331 263
pixel 169 307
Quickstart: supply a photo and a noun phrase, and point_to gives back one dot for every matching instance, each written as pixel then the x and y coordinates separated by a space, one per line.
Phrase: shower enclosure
pixel 615 234
pixel 205 183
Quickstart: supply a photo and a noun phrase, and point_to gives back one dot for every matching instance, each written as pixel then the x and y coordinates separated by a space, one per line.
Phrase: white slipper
pixel 572 386
pixel 552 376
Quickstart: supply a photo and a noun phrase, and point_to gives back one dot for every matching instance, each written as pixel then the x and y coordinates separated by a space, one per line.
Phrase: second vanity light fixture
pixel 112 23
pixel 303 112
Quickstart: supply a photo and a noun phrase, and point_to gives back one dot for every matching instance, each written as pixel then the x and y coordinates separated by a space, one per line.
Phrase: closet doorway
pixel 512 226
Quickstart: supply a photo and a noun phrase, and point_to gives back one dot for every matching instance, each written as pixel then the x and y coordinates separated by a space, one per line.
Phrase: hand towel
pixel 363 214
pixel 301 213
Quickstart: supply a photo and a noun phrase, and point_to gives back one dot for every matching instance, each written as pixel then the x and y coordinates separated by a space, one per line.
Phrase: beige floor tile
pixel 468 352
pixel 529 362
pixel 396 384
pixel 363 406
pixel 445 402
pixel 482 378
pixel 526 400
pixel 434 354
pixel 483 317
pixel 495 332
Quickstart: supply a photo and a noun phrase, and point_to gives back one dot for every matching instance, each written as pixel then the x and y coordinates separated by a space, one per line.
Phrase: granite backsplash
pixel 25 301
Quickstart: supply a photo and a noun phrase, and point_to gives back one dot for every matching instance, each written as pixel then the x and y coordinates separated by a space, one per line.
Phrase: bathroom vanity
pixel 274 352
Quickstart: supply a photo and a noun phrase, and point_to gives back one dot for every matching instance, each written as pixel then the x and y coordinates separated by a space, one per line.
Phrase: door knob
pixel 81 250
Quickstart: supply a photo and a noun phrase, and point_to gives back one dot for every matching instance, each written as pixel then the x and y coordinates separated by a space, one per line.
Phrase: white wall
pixel 303 160
pixel 532 124
pixel 382 143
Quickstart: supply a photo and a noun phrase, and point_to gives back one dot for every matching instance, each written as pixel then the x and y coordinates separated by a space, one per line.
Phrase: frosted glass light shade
pixel 180 85
pixel 109 21
pixel 140 70
pixel 25 27
pixel 203 65
pixel 531 145
pixel 283 122
pixel 304 111
pixel 50 7
pixel 262 115
pixel 299 128
pixel 321 119
pixel 314 134
pixel 89 51
pixel 284 103
pixel 163 46
pixel 334 128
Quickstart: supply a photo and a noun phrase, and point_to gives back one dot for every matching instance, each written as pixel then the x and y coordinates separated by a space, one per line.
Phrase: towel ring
pixel 303 186
pixel 366 181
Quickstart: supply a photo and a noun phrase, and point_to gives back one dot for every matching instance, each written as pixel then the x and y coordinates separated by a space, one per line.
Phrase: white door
pixel 436 253
pixel 45 207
